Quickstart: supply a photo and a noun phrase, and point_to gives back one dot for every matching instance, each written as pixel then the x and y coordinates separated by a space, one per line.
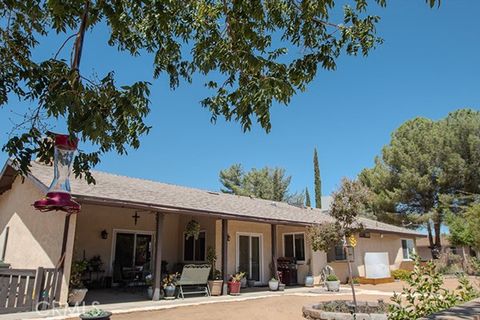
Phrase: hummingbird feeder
pixel 58 196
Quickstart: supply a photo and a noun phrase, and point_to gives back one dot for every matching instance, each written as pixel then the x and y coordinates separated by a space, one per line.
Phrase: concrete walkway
pixel 138 306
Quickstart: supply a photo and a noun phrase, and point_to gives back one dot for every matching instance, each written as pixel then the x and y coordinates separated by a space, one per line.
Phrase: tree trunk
pixel 437 247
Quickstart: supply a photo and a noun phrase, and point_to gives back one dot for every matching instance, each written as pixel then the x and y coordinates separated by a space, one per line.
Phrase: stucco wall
pixel 389 243
pixel 34 238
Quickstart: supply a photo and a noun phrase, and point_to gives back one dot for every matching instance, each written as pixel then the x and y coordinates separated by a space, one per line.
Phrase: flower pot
pixel 76 296
pixel 234 288
pixel 243 282
pixel 251 283
pixel 281 286
pixel 273 285
pixel 106 316
pixel 333 285
pixel 215 287
pixel 309 281
pixel 150 293
pixel 169 292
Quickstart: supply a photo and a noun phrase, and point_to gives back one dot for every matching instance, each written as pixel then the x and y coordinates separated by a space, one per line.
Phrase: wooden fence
pixel 29 290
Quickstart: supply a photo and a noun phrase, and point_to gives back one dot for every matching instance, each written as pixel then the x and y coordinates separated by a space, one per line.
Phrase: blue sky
pixel 428 66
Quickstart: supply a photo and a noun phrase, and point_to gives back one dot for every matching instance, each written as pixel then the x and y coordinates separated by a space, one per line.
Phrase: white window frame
pixel 183 249
pixel 294 250
pixel 237 249
pixel 409 258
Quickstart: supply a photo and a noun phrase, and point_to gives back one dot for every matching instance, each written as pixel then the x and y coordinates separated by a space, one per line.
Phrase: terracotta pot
pixel 215 287
pixel 234 288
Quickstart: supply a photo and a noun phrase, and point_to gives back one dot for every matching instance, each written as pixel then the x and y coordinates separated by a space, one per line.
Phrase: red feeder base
pixel 57 201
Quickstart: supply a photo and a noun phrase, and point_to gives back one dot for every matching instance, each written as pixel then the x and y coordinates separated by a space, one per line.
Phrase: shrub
pixel 426 294
pixel 332 277
pixel 449 263
pixel 401 274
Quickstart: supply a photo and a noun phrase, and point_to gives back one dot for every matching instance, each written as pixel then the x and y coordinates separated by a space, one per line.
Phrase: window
pixel 337 253
pixel 194 250
pixel 294 246
pixel 408 249
pixel 364 234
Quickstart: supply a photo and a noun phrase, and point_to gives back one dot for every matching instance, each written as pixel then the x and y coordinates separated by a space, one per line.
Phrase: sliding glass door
pixel 249 255
pixel 132 259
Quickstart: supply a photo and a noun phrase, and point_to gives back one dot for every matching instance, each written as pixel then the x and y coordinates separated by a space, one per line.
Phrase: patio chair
pixel 194 276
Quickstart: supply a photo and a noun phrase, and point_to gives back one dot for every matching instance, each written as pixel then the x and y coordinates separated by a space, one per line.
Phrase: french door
pixel 132 256
pixel 249 255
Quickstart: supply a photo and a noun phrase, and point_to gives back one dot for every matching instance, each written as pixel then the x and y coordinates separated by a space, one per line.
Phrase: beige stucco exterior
pixel 390 243
pixel 35 238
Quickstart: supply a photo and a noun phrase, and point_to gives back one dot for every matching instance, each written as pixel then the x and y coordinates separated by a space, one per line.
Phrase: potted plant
pixel 169 285
pixel 281 286
pixel 77 291
pixel 95 263
pixel 251 283
pixel 273 284
pixel 332 282
pixel 234 283
pixel 215 282
pixel 149 283
pixel 243 281
pixel 96 314
pixel 192 229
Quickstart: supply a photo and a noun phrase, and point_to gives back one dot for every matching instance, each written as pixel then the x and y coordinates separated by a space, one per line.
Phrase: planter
pixel 150 293
pixel 309 281
pixel 281 286
pixel 169 292
pixel 234 288
pixel 243 282
pixel 104 316
pixel 215 287
pixel 333 285
pixel 76 296
pixel 251 283
pixel 273 285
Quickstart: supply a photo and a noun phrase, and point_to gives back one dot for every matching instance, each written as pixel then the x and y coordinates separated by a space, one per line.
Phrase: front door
pixel 249 256
pixel 132 259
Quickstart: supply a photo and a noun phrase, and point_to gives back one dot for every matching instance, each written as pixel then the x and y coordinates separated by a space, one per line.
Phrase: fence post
pixel 37 289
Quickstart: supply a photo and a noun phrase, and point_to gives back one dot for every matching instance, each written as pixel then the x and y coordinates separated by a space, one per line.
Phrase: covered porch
pixel 137 246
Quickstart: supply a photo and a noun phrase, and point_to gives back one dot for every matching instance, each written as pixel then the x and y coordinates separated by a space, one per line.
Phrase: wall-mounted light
pixel 228 237
pixel 104 234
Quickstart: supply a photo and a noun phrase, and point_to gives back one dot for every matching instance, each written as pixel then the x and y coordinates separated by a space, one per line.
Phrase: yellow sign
pixel 352 240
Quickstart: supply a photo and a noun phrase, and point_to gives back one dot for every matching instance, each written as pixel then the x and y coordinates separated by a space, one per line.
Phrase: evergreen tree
pixel 318 181
pixel 307 198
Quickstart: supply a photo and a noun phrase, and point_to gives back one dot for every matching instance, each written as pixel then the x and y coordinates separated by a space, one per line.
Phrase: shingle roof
pixel 133 190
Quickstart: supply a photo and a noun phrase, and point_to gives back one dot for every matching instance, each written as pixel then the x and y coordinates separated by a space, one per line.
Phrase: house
pixel 134 224
pixel 425 252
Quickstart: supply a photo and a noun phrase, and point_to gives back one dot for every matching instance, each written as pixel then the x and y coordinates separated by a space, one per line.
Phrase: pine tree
pixel 318 181
pixel 307 198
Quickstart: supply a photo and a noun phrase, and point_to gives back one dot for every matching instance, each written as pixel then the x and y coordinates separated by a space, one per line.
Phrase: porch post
pixel 274 250
pixel 224 254
pixel 157 274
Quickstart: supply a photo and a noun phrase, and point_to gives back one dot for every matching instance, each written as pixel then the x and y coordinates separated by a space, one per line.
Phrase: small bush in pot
pixel 332 282
pixel 234 283
pixel 77 290
pixel 96 314
pixel 169 285
pixel 215 281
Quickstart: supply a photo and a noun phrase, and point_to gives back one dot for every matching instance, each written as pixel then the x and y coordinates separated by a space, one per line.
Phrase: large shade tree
pixel 251 54
pixel 429 168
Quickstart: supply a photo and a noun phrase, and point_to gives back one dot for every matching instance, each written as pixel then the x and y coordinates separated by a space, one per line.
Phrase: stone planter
pixel 333 285
pixel 76 296
pixel 150 293
pixel 243 283
pixel 273 285
pixel 251 283
pixel 281 287
pixel 366 311
pixel 215 287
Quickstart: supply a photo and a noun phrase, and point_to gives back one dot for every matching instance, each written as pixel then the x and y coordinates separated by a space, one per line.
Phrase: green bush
pixel 426 294
pixel 332 277
pixel 401 274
